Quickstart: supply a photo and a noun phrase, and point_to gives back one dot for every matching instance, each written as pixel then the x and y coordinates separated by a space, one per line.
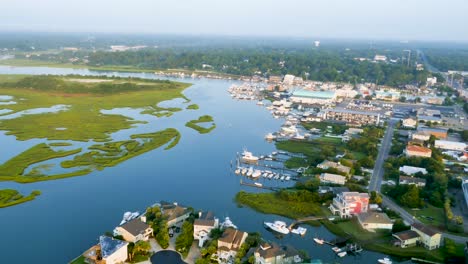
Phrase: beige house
pixel 406 238
pixel 332 178
pixel 428 237
pixel 412 180
pixel 372 221
pixel 409 123
pixel 326 164
pixel 135 230
pixel 418 151
pixel 203 226
pixel 174 213
pixel 229 243
pixel 272 253
pixel 108 251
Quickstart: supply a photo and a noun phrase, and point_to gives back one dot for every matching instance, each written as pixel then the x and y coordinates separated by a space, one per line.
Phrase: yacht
pixel 250 172
pixel 244 171
pixel 278 226
pixel 318 241
pixel 256 173
pixel 384 261
pixel 287 178
pixel 249 157
pixel 260 103
pixel 270 136
pixel 342 254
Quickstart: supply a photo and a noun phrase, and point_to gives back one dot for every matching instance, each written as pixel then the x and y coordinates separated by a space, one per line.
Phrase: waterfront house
pixel 410 170
pixel 346 204
pixel 229 243
pixel 309 97
pixel 428 237
pixel 406 238
pixel 332 178
pixel 108 251
pixel 417 151
pixel 203 225
pixel 403 180
pixel 326 164
pixel 272 253
pixel 372 221
pixel 135 230
pixel 174 213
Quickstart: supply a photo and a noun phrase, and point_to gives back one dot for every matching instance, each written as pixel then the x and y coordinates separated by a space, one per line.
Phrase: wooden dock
pixel 306 219
pixel 259 186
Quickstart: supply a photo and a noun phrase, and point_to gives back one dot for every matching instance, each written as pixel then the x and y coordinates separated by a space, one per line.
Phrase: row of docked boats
pixel 255 173
pixel 282 228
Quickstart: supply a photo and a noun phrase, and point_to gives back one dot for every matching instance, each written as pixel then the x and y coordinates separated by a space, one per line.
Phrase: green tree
pixel 375 198
pixel 399 226
pixel 411 197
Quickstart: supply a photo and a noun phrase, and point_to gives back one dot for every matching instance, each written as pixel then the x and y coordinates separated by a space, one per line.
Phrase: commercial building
pixel 418 151
pixel 352 116
pixel 410 170
pixel 450 145
pixel 372 221
pixel 422 136
pixel 332 178
pixel 346 204
pixel 428 237
pixel 313 97
pixel 387 95
pixel 404 180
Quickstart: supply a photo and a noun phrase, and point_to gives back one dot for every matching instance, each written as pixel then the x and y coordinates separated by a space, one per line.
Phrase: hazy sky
pixel 373 19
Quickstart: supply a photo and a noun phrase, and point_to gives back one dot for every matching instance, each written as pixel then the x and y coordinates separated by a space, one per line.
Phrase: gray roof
pixel 110 245
pixel 424 229
pixel 374 217
pixel 135 226
pixel 405 235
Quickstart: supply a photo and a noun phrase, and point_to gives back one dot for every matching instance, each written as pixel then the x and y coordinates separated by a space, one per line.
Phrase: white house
pixel 203 225
pixel 410 170
pixel 429 238
pixel 409 123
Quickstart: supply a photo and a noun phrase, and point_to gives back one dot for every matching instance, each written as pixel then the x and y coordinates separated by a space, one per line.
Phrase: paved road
pixel 377 175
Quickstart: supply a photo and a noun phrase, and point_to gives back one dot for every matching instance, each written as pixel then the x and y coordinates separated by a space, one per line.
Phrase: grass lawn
pixel 79 260
pixel 270 203
pixel 430 211
pixel 332 140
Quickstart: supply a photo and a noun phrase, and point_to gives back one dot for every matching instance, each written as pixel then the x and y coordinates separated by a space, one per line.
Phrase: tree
pixel 375 198
pixel 411 197
pixel 399 226
pixel 402 99
pixel 185 239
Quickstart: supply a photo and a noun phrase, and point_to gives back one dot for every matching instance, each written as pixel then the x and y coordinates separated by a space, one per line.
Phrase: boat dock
pixel 306 219
pixel 260 186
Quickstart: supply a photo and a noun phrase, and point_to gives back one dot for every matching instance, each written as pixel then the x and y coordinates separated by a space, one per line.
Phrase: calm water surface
pixel 71 213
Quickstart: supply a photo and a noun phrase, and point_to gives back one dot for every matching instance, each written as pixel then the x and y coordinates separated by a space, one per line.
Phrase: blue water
pixel 71 213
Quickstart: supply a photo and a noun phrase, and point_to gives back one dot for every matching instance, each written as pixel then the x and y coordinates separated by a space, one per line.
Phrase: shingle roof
pixel 405 235
pixel 425 229
pixel 206 219
pixel 110 245
pixel 135 226
pixel 374 217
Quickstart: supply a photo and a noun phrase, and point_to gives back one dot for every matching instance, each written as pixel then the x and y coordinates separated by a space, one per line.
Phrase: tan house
pixel 372 221
pixel 412 180
pixel 108 251
pixel 332 178
pixel 406 238
pixel 174 213
pixel 203 225
pixel 229 243
pixel 135 230
pixel 326 164
pixel 409 123
pixel 418 151
pixel 428 237
pixel 272 253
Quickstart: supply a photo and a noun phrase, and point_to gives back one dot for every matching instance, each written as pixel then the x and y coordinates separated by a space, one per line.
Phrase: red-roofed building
pixel 418 151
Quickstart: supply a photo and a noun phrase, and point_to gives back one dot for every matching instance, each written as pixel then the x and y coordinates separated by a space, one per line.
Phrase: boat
pixel 250 172
pixel 249 157
pixel 278 226
pixel 227 223
pixel 336 249
pixel 318 241
pixel 258 184
pixel 342 254
pixel 299 231
pixel 237 171
pixel 244 171
pixel 288 178
pixel 270 137
pixel 270 176
pixel 274 153
pixel 260 103
pixel 256 173
pixel 129 216
pixel 384 261
pixel 282 178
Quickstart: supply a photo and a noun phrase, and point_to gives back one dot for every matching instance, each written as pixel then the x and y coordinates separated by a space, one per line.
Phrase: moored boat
pixel 277 226
pixel 384 261
pixel 318 241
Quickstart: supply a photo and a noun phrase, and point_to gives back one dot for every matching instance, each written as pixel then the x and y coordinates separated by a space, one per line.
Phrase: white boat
pixel 256 173
pixel 250 172
pixel 336 249
pixel 282 178
pixel 260 103
pixel 274 153
pixel 342 254
pixel 244 171
pixel 227 223
pixel 129 216
pixel 270 176
pixel 237 171
pixel 249 157
pixel 276 177
pixel 270 136
pixel 258 184
pixel 278 226
pixel 299 231
pixel 318 241
pixel 384 261
pixel 265 174
pixel 288 178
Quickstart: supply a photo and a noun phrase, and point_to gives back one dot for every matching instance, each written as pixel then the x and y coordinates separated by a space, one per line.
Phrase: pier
pixel 259 186
pixel 305 219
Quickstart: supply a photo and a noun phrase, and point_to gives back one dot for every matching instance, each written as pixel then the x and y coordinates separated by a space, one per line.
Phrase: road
pixel 377 175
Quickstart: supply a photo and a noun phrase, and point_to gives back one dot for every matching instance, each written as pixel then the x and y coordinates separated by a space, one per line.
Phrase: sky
pixel 434 20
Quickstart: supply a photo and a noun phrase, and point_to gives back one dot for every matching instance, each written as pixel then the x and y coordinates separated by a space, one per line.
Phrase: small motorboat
pixel 319 241
pixel 384 261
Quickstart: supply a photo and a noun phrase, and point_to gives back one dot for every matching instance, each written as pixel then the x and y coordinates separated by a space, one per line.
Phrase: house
pixel 435 100
pixel 417 151
pixel 288 79
pixel 422 136
pixel 332 178
pixel 450 145
pixel 387 95
pixel 406 238
pixel 380 58
pixel 108 251
pixel 272 253
pixel 229 243
pixel 347 204
pixel 352 116
pixel 203 226
pixel 412 180
pixel 428 237
pixel 174 213
pixel 409 123
pixel 326 164
pixel 431 81
pixel 372 221
pixel 410 170
pixel 135 230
